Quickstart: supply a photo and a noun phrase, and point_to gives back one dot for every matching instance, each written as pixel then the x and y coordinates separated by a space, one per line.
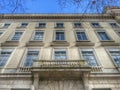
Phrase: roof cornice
pixel 55 16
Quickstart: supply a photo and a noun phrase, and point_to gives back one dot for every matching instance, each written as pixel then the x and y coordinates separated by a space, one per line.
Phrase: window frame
pixel 21 25
pixel 54 38
pixel 110 56
pixel 54 49
pixel 10 39
pixel 117 25
pixel 81 25
pixel 99 26
pixel 9 58
pixel 57 26
pixel 33 35
pixel 25 55
pixel 40 23
pixel 94 53
pixel 81 31
pixel 96 31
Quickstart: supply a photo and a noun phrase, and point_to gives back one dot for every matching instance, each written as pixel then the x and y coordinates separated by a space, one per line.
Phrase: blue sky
pixel 52 6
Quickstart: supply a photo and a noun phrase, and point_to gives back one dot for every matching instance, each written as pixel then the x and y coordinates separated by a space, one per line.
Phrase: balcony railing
pixel 60 64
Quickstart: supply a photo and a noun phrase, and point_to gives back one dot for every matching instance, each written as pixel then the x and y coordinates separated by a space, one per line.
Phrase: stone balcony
pixel 60 68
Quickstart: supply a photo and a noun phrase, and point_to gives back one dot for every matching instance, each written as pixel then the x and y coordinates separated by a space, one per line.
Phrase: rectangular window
pixel 4 56
pixel 17 35
pixel 95 25
pixel 60 54
pixel 115 54
pixel 118 32
pixel 77 25
pixel 1 33
pixel 30 57
pixel 88 55
pixel 59 25
pixel 114 25
pixel 6 25
pixel 103 36
pixel 59 35
pixel 42 25
pixel 24 25
pixel 81 36
pixel 38 36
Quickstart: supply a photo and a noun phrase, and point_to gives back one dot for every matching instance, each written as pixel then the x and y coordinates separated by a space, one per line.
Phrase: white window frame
pixel 25 55
pixel 95 26
pixel 100 37
pixel 114 49
pixel 10 39
pixel 7 49
pixel 32 39
pixel 81 25
pixel 59 31
pixel 59 49
pixel 90 49
pixel 115 26
pixel 56 25
pixel 81 31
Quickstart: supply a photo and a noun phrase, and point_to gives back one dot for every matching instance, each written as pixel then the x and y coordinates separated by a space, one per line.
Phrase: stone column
pixel 36 81
pixel 85 80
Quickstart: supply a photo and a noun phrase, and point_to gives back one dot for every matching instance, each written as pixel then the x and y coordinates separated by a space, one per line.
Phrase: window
pixel 1 33
pixel 89 56
pixel 59 25
pixel 114 25
pixel 103 36
pixel 60 54
pixel 6 25
pixel 38 35
pixel 81 36
pixel 17 36
pixel 115 54
pixel 24 25
pixel 77 25
pixel 42 25
pixel 59 35
pixel 95 25
pixel 30 57
pixel 5 54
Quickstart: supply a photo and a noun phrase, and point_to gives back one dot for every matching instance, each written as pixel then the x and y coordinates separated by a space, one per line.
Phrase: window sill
pixel 59 43
pixel 39 27
pixel 10 43
pixel 59 27
pixel 108 43
pixel 35 43
pixel 84 43
pixel 20 27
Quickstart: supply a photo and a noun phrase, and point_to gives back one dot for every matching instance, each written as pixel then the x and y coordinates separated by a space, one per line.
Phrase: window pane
pixel 17 36
pixel 6 25
pixel 89 56
pixel 103 36
pixel 1 33
pixel 114 25
pixel 60 36
pixel 77 25
pixel 60 25
pixel 115 56
pixel 24 24
pixel 38 35
pixel 4 57
pixel 81 36
pixel 60 55
pixel 31 56
pixel 42 25
pixel 95 25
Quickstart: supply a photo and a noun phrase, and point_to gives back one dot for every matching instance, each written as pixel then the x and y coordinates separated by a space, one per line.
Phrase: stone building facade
pixel 60 51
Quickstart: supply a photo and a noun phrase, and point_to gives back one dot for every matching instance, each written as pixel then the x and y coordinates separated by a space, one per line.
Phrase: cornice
pixel 55 16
